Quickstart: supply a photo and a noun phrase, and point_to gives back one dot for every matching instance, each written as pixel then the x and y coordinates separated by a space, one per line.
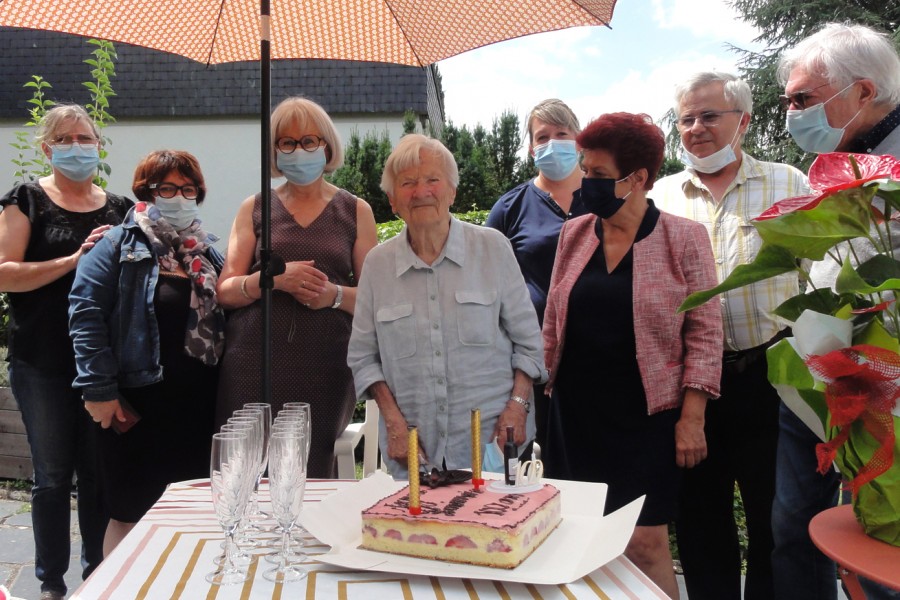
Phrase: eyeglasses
pixel 168 190
pixel 64 142
pixel 309 143
pixel 708 118
pixel 798 99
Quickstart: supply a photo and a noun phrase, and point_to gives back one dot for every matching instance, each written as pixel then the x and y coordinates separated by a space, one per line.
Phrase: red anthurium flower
pixel 872 309
pixel 834 170
pixel 831 173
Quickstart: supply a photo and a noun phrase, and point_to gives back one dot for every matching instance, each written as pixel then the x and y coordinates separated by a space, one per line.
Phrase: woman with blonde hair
pixel 323 233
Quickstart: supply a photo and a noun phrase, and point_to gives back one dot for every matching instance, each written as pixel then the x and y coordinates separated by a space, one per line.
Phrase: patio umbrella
pixel 409 32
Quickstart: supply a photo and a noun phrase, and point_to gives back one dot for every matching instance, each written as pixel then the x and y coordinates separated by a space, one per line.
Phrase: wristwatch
pixel 339 297
pixel 526 404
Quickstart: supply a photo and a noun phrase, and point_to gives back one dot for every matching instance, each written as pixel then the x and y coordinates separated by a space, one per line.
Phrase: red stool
pixel 841 538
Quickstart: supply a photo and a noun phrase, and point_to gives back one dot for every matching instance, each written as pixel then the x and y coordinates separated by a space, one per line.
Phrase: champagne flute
pixel 297 423
pixel 266 409
pixel 262 412
pixel 287 483
pixel 252 420
pixel 230 457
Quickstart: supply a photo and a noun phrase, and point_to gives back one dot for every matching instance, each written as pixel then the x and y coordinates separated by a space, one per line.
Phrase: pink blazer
pixel 674 350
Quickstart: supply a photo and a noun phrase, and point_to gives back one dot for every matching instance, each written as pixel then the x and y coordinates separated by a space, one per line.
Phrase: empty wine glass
pixel 264 416
pixel 266 409
pixel 287 483
pixel 293 422
pixel 251 420
pixel 231 456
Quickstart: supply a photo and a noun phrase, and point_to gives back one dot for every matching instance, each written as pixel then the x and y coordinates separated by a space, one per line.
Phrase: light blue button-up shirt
pixel 446 337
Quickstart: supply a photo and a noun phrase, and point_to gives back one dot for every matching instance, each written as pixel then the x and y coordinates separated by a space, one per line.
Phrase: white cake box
pixel 584 541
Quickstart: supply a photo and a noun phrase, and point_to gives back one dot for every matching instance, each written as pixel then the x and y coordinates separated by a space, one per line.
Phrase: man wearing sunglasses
pixel 842 93
pixel 724 188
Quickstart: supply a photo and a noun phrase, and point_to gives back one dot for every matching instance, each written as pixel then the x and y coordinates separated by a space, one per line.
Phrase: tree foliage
pixel 784 23
pixel 361 173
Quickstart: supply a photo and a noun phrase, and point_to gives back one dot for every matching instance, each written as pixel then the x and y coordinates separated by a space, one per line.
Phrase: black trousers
pixel 742 436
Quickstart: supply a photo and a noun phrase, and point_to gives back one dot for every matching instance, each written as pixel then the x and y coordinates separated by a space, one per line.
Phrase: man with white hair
pixel 724 188
pixel 842 93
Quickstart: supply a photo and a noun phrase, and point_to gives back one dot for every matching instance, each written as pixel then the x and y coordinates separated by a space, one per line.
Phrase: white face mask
pixel 178 211
pixel 716 161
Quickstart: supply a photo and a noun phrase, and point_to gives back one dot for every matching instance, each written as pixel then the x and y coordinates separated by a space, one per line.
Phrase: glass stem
pixel 285 546
pixel 227 564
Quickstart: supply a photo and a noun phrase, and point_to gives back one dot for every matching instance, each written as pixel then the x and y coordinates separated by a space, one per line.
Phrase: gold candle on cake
pixel 412 460
pixel 477 481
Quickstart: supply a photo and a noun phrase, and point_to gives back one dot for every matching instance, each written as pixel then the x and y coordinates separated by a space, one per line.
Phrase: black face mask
pixel 599 196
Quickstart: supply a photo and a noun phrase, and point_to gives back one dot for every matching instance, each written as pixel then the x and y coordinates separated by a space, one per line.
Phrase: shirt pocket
pixel 476 317
pixel 397 330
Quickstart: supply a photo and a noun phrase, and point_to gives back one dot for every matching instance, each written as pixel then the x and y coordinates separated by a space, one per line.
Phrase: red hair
pixel 634 141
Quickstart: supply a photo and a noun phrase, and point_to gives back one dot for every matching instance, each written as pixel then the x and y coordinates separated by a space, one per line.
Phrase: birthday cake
pixel 464 525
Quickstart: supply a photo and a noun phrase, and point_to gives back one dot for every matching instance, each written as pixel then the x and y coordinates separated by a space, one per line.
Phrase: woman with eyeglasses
pixel 323 233
pixel 148 334
pixel 46 227
pixel 629 375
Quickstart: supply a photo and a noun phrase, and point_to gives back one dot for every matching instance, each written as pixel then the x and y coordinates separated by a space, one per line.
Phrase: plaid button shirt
pixel 757 186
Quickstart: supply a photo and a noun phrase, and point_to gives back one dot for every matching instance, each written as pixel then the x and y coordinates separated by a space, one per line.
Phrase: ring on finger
pixel 303 284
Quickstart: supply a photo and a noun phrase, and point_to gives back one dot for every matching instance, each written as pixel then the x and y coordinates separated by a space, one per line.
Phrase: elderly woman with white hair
pixel 323 233
pixel 444 323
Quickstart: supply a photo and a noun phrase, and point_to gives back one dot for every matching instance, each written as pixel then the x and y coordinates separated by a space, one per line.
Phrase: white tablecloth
pixel 171 549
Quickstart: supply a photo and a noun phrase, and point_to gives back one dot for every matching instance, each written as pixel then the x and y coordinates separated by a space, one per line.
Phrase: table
pixel 841 538
pixel 171 549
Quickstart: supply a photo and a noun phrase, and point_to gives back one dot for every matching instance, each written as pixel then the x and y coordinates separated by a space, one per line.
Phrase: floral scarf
pixel 205 335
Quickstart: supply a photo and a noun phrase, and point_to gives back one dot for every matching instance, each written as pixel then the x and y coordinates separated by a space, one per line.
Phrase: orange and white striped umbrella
pixel 409 32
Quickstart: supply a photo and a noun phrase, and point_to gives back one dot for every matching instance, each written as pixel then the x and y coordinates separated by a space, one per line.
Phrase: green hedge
pixel 389 229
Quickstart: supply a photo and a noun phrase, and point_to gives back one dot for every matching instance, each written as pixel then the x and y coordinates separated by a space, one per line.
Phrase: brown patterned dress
pixel 309 347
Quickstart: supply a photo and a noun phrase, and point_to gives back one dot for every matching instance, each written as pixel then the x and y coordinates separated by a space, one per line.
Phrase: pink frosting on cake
pixel 463 504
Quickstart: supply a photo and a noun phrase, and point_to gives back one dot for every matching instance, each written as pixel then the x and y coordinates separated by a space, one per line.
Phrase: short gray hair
pixel 552 111
pixel 737 91
pixel 408 154
pixel 844 54
pixel 56 118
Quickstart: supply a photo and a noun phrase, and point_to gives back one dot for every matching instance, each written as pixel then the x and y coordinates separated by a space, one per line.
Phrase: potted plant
pixel 840 372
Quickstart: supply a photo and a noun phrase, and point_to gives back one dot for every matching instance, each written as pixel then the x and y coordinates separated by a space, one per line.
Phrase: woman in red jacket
pixel 630 376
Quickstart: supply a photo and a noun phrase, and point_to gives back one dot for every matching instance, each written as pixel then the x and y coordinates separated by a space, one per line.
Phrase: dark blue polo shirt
pixel 531 220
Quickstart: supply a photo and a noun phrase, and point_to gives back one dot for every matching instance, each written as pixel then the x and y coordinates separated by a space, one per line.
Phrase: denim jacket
pixel 112 320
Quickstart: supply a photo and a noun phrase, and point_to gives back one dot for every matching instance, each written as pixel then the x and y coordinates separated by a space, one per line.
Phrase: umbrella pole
pixel 270 265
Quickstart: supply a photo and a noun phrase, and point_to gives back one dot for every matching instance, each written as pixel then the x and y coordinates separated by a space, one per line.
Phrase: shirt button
pixel 432 296
pixel 442 408
pixel 719 261
pixel 435 326
pixel 443 434
pixel 437 352
pixel 440 381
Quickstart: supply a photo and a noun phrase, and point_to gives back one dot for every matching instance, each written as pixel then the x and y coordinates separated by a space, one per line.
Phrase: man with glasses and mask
pixel 723 188
pixel 842 93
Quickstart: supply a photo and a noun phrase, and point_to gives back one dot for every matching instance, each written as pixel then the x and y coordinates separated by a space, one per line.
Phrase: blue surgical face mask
pixel 716 161
pixel 77 162
pixel 810 128
pixel 178 211
pixel 302 167
pixel 556 159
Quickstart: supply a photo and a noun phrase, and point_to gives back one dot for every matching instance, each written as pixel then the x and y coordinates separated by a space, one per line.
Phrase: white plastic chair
pixel 346 444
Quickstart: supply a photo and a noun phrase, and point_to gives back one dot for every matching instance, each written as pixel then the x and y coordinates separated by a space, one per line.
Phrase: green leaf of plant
pixel 821 300
pixel 875 334
pixel 811 233
pixel 787 368
pixel 878 274
pixel 771 261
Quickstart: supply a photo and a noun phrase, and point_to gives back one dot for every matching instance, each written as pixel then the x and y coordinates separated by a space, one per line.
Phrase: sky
pixel 633 67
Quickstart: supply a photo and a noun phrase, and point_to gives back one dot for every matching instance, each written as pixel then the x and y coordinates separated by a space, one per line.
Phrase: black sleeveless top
pixel 39 319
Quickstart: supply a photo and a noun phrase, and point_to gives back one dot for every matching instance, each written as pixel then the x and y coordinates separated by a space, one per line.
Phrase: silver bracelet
pixel 526 404
pixel 244 288
pixel 339 297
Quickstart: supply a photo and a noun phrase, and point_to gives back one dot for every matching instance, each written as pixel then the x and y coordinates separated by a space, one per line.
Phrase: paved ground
pixel 17 548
